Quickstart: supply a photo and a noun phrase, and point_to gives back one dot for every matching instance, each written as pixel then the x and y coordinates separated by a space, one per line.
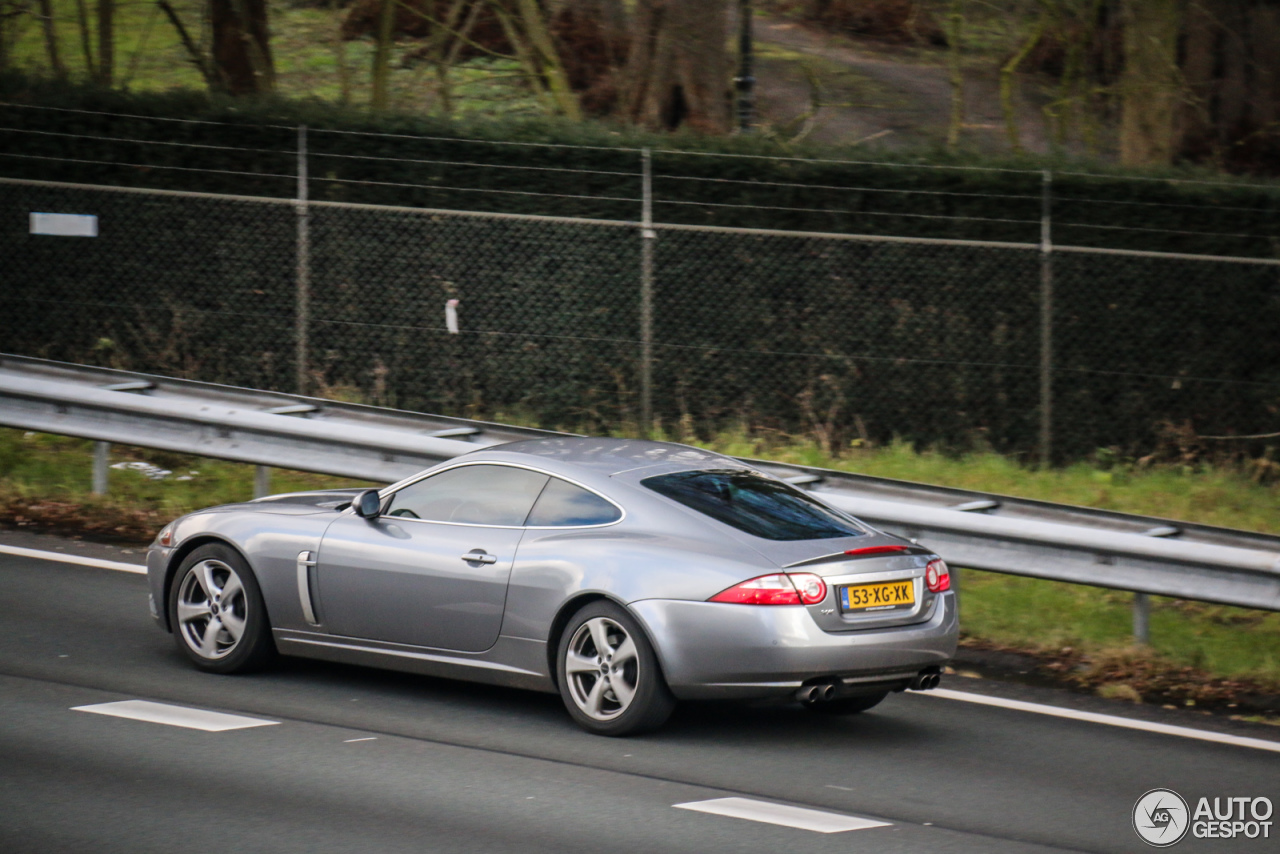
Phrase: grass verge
pixel 1210 656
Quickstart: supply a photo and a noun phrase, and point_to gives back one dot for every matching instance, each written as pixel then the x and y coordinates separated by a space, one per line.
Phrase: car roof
pixel 613 456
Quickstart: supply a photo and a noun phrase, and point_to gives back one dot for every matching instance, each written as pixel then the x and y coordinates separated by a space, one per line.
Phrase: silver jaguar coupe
pixel 623 574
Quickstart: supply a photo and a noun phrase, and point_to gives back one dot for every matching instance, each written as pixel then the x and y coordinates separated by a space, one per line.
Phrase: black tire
pixel 213 596
pixel 847 705
pixel 615 691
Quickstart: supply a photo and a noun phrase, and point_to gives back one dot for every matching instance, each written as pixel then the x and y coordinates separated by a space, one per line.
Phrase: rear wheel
pixel 215 607
pixel 608 674
pixel 847 705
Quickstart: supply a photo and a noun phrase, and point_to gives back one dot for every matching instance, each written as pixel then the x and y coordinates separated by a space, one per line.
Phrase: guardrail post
pixel 303 319
pixel 261 481
pixel 101 460
pixel 1046 321
pixel 647 236
pixel 1142 618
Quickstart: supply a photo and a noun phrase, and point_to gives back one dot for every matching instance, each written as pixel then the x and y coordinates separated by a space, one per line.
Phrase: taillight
pixel 937 577
pixel 812 588
pixel 777 589
pixel 165 537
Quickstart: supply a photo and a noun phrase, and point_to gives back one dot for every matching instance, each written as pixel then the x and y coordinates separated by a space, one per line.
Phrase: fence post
pixel 101 450
pixel 303 310
pixel 1046 320
pixel 647 236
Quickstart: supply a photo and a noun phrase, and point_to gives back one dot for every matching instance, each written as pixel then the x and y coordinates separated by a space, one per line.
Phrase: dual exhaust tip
pixel 816 693
pixel 822 692
pixel 925 680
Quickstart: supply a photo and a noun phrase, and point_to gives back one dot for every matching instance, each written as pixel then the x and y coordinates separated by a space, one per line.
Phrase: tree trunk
pixel 535 28
pixel 678 69
pixel 340 57
pixel 955 62
pixel 382 55
pixel 86 47
pixel 106 42
pixel 1150 87
pixel 51 39
pixel 1265 30
pixel 1008 81
pixel 242 46
pixel 1199 59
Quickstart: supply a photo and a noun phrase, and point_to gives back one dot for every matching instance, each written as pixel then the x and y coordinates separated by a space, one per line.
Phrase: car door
pixel 432 569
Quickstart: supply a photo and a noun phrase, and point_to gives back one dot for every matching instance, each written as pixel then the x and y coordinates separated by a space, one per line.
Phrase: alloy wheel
pixel 603 668
pixel 212 609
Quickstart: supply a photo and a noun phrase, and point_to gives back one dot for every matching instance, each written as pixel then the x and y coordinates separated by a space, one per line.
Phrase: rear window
pixel 758 505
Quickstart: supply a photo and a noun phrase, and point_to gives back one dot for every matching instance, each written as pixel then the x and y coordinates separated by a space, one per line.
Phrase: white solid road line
pixel 787 816
pixel 163 713
pixel 1108 720
pixel 63 557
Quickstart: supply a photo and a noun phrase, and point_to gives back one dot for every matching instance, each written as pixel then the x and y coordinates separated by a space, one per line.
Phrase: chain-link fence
pixel 835 336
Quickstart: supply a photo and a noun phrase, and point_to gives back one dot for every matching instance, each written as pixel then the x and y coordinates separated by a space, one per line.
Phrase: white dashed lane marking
pixel 781 814
pixel 183 716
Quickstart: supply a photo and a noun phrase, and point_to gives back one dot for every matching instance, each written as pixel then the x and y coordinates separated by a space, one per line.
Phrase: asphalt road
pixel 371 761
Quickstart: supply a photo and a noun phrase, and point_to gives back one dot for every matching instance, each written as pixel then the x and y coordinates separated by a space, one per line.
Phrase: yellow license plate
pixel 878 597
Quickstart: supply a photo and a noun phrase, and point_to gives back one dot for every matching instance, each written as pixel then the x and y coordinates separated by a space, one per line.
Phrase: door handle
pixel 479 557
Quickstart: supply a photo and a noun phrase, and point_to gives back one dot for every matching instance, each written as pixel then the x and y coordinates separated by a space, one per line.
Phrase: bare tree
pixel 10 13
pixel 525 24
pixel 106 42
pixel 197 56
pixel 242 46
pixel 955 66
pixel 381 68
pixel 678 67
pixel 51 39
pixel 82 17
pixel 1150 88
pixel 1230 113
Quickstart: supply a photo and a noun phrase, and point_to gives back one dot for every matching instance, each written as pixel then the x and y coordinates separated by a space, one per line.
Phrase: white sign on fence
pixel 64 225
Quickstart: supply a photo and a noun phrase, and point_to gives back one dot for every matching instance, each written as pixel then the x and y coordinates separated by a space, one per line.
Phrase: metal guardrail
pixel 979 530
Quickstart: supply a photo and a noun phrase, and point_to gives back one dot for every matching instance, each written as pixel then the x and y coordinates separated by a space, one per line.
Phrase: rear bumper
pixel 712 650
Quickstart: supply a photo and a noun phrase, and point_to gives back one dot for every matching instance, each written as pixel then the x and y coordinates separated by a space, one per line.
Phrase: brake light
pixel 765 590
pixel 937 577
pixel 777 589
pixel 867 551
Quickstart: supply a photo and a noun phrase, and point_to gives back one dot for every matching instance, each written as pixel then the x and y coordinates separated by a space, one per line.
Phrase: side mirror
pixel 367 504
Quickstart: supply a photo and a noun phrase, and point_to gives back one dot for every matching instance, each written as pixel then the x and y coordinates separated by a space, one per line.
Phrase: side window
pixel 563 504
pixel 475 495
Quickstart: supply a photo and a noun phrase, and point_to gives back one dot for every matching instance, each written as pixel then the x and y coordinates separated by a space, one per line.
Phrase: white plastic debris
pixel 451 316
pixel 147 470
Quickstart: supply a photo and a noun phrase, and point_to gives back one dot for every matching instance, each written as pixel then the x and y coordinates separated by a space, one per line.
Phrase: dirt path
pixel 868 97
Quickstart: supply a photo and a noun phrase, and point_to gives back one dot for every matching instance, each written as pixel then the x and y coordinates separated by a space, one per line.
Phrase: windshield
pixel 758 505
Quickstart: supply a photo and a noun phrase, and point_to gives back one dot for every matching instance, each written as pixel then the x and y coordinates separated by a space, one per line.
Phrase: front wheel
pixel 608 674
pixel 215 607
